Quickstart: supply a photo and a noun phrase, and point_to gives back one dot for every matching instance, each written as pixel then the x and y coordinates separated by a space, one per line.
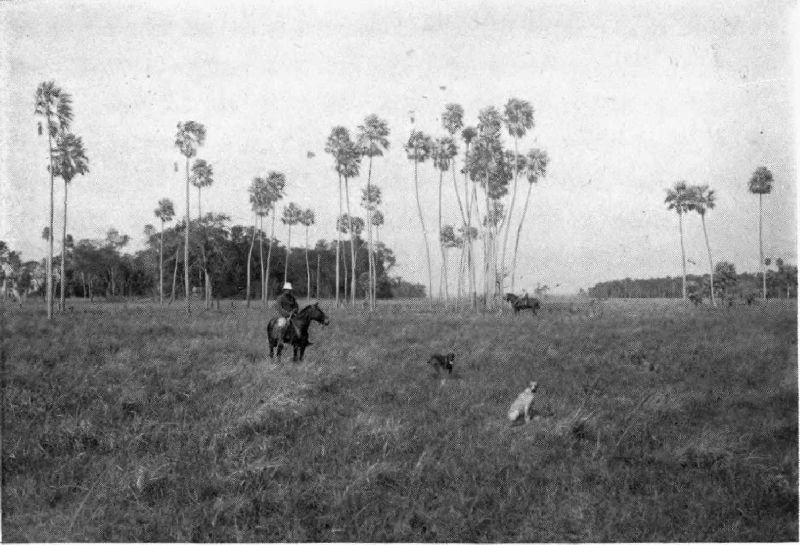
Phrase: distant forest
pixel 781 282
pixel 100 268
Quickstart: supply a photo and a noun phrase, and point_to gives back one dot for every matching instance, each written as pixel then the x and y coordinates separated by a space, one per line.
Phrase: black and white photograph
pixel 420 271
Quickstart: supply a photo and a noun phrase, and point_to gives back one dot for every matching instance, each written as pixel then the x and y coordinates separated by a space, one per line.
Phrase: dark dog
pixel 441 362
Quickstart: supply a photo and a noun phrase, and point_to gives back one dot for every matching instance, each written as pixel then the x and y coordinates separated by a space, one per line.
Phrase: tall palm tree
pixel 54 106
pixel 347 162
pixel 202 176
pixel 69 160
pixel 276 184
pixel 702 199
pixel 291 216
pixel 373 140
pixel 518 120
pixel 418 149
pixel 761 184
pixel 468 134
pixel 535 167
pixel 189 137
pixel 307 220
pixel 259 203
pixel 370 199
pixel 336 145
pixel 442 154
pixel 165 212
pixel 679 199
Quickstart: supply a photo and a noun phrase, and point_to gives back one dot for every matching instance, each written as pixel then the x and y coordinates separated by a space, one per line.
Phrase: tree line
pixel 781 282
pixel 218 266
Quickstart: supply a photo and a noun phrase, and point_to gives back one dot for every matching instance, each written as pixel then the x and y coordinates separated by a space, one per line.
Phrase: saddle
pixel 282 324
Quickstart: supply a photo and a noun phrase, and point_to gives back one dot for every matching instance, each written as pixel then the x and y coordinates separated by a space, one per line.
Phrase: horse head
pixel 510 297
pixel 316 314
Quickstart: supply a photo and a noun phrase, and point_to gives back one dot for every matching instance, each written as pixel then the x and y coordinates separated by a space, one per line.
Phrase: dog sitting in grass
pixel 441 363
pixel 521 408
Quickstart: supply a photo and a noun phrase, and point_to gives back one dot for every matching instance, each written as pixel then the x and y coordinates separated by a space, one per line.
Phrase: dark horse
pixel 296 332
pixel 523 303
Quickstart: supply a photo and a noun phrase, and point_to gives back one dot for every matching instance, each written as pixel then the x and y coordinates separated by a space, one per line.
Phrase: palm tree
pixel 69 160
pixel 702 199
pixel 165 212
pixel 291 216
pixel 370 199
pixel 418 149
pixel 373 140
pixel 518 120
pixel 54 106
pixel 347 157
pixel 307 220
pixel 189 137
pixel 535 166
pixel 679 199
pixel 442 154
pixel 259 203
pixel 202 176
pixel 276 184
pixel 468 134
pixel 761 184
pixel 335 145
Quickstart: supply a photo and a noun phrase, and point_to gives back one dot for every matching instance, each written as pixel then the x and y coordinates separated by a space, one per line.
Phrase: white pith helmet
pixel 287 286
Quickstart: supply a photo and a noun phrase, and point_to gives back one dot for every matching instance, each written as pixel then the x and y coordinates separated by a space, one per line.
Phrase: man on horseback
pixel 287 307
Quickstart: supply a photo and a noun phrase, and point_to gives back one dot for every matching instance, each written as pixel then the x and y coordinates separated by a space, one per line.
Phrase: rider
pixel 287 307
pixel 524 298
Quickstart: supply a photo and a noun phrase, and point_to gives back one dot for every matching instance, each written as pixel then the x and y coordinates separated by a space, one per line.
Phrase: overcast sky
pixel 628 96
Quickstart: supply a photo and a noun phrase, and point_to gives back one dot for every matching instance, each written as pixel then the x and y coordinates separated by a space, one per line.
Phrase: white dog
pixel 522 405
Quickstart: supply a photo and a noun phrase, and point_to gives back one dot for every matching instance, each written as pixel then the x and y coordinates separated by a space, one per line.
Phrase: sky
pixel 629 97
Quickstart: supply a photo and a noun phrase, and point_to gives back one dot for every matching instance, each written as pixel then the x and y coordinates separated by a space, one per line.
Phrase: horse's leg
pixel 280 349
pixel 295 349
pixel 302 352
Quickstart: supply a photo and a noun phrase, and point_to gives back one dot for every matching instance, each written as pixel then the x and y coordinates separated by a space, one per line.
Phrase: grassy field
pixel 655 422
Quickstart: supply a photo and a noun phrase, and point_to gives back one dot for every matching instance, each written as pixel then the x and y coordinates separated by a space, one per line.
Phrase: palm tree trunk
pixel 370 266
pixel 269 255
pixel 424 234
pixel 249 260
pixel 261 260
pixel 288 252
pixel 519 231
pixel 318 260
pixel 468 232
pixel 338 241
pixel 710 261
pixel 199 212
pixel 352 244
pixel 175 274
pixel 308 272
pixel 161 267
pixel 50 234
pixel 63 303
pixel 186 246
pixel 761 251
pixel 442 270
pixel 507 219
pixel 683 258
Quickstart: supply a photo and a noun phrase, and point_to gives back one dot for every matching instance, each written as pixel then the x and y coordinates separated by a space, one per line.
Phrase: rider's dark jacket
pixel 287 304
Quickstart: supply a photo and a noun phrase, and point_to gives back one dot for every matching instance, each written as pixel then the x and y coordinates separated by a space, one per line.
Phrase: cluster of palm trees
pixel 492 169
pixel 372 140
pixel 67 159
pixel 684 198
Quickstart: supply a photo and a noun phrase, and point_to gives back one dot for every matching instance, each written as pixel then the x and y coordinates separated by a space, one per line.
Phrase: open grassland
pixel 655 422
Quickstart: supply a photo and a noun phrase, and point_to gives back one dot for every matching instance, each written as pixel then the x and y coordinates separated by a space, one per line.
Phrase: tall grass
pixel 654 422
